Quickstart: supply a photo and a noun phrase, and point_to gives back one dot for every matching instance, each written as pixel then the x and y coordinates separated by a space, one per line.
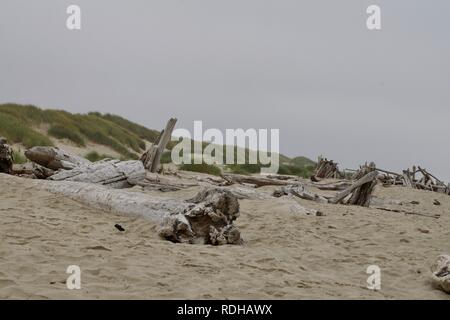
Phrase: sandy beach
pixel 287 255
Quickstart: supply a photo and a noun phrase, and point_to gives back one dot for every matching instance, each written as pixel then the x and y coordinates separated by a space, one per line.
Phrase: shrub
pixel 67 132
pixel 94 156
pixel 18 157
pixel 17 131
pixel 203 168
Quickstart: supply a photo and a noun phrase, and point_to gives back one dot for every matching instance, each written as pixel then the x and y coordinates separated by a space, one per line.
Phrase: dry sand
pixel 287 255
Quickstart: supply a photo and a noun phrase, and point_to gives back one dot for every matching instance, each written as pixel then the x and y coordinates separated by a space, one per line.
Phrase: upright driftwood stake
pixel 152 157
pixel 361 191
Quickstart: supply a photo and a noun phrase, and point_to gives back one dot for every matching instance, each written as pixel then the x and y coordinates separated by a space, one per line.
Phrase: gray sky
pixel 310 68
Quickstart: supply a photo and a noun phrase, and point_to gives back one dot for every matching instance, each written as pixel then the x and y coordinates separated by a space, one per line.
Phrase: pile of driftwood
pixel 415 177
pixel 326 169
pixel 207 218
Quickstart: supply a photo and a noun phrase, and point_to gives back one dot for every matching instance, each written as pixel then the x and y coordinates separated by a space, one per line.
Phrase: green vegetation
pixel 166 157
pixel 24 124
pixel 94 156
pixel 17 131
pixel 20 123
pixel 18 157
pixel 203 168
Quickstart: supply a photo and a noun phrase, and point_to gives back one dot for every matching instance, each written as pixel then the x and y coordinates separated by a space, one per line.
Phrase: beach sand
pixel 287 255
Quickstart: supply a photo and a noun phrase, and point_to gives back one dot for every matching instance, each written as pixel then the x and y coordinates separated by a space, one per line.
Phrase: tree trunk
pixel 299 191
pixel 114 173
pixel 207 218
pixel 54 158
pixel 256 181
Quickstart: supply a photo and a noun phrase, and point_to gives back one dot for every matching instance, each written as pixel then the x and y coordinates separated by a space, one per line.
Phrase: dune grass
pixel 94 156
pixel 17 131
pixel 202 168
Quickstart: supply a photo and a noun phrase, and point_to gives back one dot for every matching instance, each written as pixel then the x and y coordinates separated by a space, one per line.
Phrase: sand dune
pixel 286 256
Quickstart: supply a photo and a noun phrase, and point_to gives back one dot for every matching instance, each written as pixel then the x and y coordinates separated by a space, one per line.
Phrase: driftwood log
pixel 207 218
pixel 440 273
pixel 257 181
pixel 54 158
pixel 113 173
pixel 360 192
pixel 152 157
pixel 300 191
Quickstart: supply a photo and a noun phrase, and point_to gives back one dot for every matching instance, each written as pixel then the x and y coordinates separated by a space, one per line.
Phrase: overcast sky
pixel 309 68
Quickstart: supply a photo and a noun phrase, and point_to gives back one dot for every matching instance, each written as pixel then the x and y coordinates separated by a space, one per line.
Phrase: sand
pixel 286 256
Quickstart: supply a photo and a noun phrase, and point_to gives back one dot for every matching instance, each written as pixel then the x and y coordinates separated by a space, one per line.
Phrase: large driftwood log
pixel 360 191
pixel 54 158
pixel 152 157
pixel 114 173
pixel 257 181
pixel 300 191
pixel 440 273
pixel 207 218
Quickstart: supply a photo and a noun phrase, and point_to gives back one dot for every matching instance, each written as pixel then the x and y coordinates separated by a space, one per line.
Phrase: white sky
pixel 309 68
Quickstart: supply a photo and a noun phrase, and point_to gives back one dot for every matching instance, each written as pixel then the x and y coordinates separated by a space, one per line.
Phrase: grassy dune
pixel 23 124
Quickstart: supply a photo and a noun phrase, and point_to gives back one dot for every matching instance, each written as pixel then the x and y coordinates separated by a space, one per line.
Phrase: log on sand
pixel 114 173
pixel 300 191
pixel 207 218
pixel 440 273
pixel 54 158
pixel 257 181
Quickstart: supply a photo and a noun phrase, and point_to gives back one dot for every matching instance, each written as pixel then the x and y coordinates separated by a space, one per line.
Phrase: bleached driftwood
pixel 440 273
pixel 360 191
pixel 54 158
pixel 254 180
pixel 207 218
pixel 340 185
pixel 300 191
pixel 152 157
pixel 363 170
pixel 326 169
pixel 114 173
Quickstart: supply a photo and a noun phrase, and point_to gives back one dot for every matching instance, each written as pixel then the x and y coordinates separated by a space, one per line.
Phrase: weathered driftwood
pixel 300 191
pixel 363 170
pixel 326 169
pixel 152 157
pixel 257 181
pixel 41 172
pixel 440 273
pixel 114 173
pixel 54 158
pixel 207 218
pixel 299 209
pixel 360 191
pixel 6 157
pixel 340 185
pixel 435 216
